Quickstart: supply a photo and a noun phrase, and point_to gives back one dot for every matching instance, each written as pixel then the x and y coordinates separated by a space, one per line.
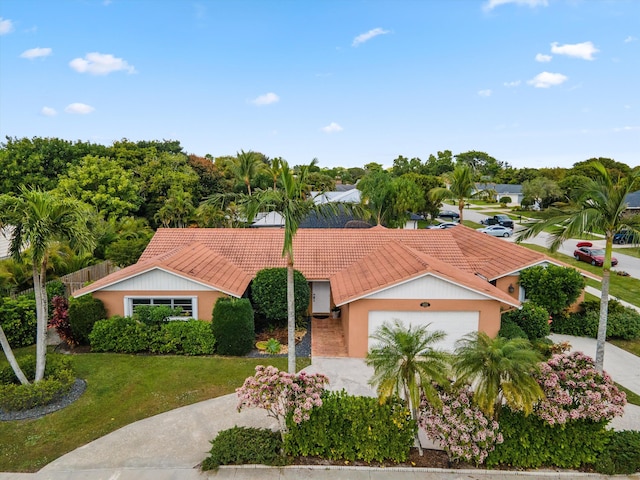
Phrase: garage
pixel 455 324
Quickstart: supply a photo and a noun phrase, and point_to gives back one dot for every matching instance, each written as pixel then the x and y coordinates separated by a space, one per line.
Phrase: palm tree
pixel 274 170
pixel 406 363
pixel 40 219
pixel 461 187
pixel 177 209
pixel 292 203
pixel 498 370
pixel 245 167
pixel 600 206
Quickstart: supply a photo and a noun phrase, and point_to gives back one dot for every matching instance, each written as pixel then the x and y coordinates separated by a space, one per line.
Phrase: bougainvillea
pixel 60 320
pixel 575 390
pixel 281 393
pixel 464 432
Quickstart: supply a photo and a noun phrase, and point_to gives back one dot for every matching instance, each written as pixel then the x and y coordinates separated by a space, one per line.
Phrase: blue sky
pixel 535 83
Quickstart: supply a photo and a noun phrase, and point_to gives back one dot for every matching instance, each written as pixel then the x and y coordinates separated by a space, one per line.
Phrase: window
pixel 188 305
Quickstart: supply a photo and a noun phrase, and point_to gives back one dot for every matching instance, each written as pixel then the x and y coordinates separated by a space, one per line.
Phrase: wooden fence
pixel 78 279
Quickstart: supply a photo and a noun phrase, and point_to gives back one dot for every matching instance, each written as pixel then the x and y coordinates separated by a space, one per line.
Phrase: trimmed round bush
pixel 531 318
pixel 244 445
pixel 18 320
pixel 510 329
pixel 269 294
pixel 58 380
pixel 233 326
pixel 84 312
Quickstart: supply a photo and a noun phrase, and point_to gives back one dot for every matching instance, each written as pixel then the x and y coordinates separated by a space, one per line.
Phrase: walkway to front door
pixel 327 339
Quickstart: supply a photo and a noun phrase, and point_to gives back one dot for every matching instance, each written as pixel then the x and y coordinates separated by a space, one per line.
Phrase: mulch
pixel 428 459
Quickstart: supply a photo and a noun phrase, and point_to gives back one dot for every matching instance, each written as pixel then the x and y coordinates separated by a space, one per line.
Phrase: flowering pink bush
pixel 575 390
pixel 463 431
pixel 281 393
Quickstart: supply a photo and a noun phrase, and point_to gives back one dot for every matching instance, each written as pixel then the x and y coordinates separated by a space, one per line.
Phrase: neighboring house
pixel 5 242
pixel 268 219
pixel 499 190
pixel 346 196
pixel 456 280
pixel 633 201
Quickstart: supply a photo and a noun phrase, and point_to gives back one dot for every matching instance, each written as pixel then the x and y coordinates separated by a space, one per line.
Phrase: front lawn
pixel 121 389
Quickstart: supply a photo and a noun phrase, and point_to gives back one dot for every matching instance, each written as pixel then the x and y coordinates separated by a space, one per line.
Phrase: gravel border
pixel 303 349
pixel 77 389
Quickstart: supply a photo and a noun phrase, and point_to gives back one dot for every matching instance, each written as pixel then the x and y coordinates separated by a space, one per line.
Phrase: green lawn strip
pixel 631 251
pixel 121 389
pixel 632 397
pixel 469 223
pixel 632 346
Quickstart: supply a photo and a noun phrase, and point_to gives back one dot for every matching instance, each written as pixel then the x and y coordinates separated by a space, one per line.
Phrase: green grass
pixel 121 389
pixel 469 223
pixel 632 346
pixel 632 397
pixel 631 251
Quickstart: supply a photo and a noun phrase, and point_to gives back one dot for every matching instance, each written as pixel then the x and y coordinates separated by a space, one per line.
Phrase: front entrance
pixel 320 297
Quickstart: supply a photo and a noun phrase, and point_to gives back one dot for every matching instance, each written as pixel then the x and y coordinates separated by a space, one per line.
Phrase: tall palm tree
pixel 600 206
pixel 274 170
pixel 461 187
pixel 405 362
pixel 498 370
pixel 292 203
pixel 245 167
pixel 40 219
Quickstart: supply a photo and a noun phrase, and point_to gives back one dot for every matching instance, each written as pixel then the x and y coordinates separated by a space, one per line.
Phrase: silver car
pixel 497 231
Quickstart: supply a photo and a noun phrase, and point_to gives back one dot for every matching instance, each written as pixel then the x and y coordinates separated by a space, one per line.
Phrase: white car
pixel 497 231
pixel 444 225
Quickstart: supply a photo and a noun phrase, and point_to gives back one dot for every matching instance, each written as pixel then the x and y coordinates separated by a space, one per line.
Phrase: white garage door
pixel 454 324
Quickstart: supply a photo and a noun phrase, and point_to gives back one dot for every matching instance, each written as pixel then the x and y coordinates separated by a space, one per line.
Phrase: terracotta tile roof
pixel 394 263
pixel 230 257
pixel 195 262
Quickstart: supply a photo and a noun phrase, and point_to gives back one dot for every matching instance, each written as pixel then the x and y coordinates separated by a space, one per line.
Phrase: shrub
pixel 510 329
pixel 58 380
pixel 269 294
pixel 552 287
pixel 155 315
pixel 624 324
pixel 119 334
pixel 18 319
pixel 190 337
pixel 504 201
pixel 352 428
pixel 531 318
pixel 242 445
pixel 464 432
pixel 55 288
pixel 232 326
pixel 83 313
pixel 575 390
pixel 530 442
pixel 60 319
pixel 622 455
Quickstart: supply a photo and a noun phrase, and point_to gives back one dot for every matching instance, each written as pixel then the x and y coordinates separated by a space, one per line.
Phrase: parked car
pixel 626 236
pixel 586 252
pixel 501 219
pixel 449 214
pixel 444 225
pixel 496 231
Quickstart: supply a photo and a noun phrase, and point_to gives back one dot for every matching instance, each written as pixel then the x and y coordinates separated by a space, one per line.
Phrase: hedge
pixel 84 312
pixel 244 445
pixel 622 455
pixel 18 319
pixel 624 325
pixel 531 318
pixel 352 428
pixel 233 326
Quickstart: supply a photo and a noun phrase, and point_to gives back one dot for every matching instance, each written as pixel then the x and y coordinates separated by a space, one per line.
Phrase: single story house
pixel 499 190
pixel 458 280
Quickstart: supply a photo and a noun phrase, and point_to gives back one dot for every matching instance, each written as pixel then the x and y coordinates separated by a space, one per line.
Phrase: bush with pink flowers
pixel 281 393
pixel 575 390
pixel 463 431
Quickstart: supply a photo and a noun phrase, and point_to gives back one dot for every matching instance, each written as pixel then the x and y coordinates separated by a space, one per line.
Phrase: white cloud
pixel 627 129
pixel 48 112
pixel 541 57
pixel 547 79
pixel 333 127
pixel 79 108
pixel 6 26
pixel 485 93
pixel 36 53
pixel 100 64
pixel 491 4
pixel 512 84
pixel 365 37
pixel 266 99
pixel 630 39
pixel 584 50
